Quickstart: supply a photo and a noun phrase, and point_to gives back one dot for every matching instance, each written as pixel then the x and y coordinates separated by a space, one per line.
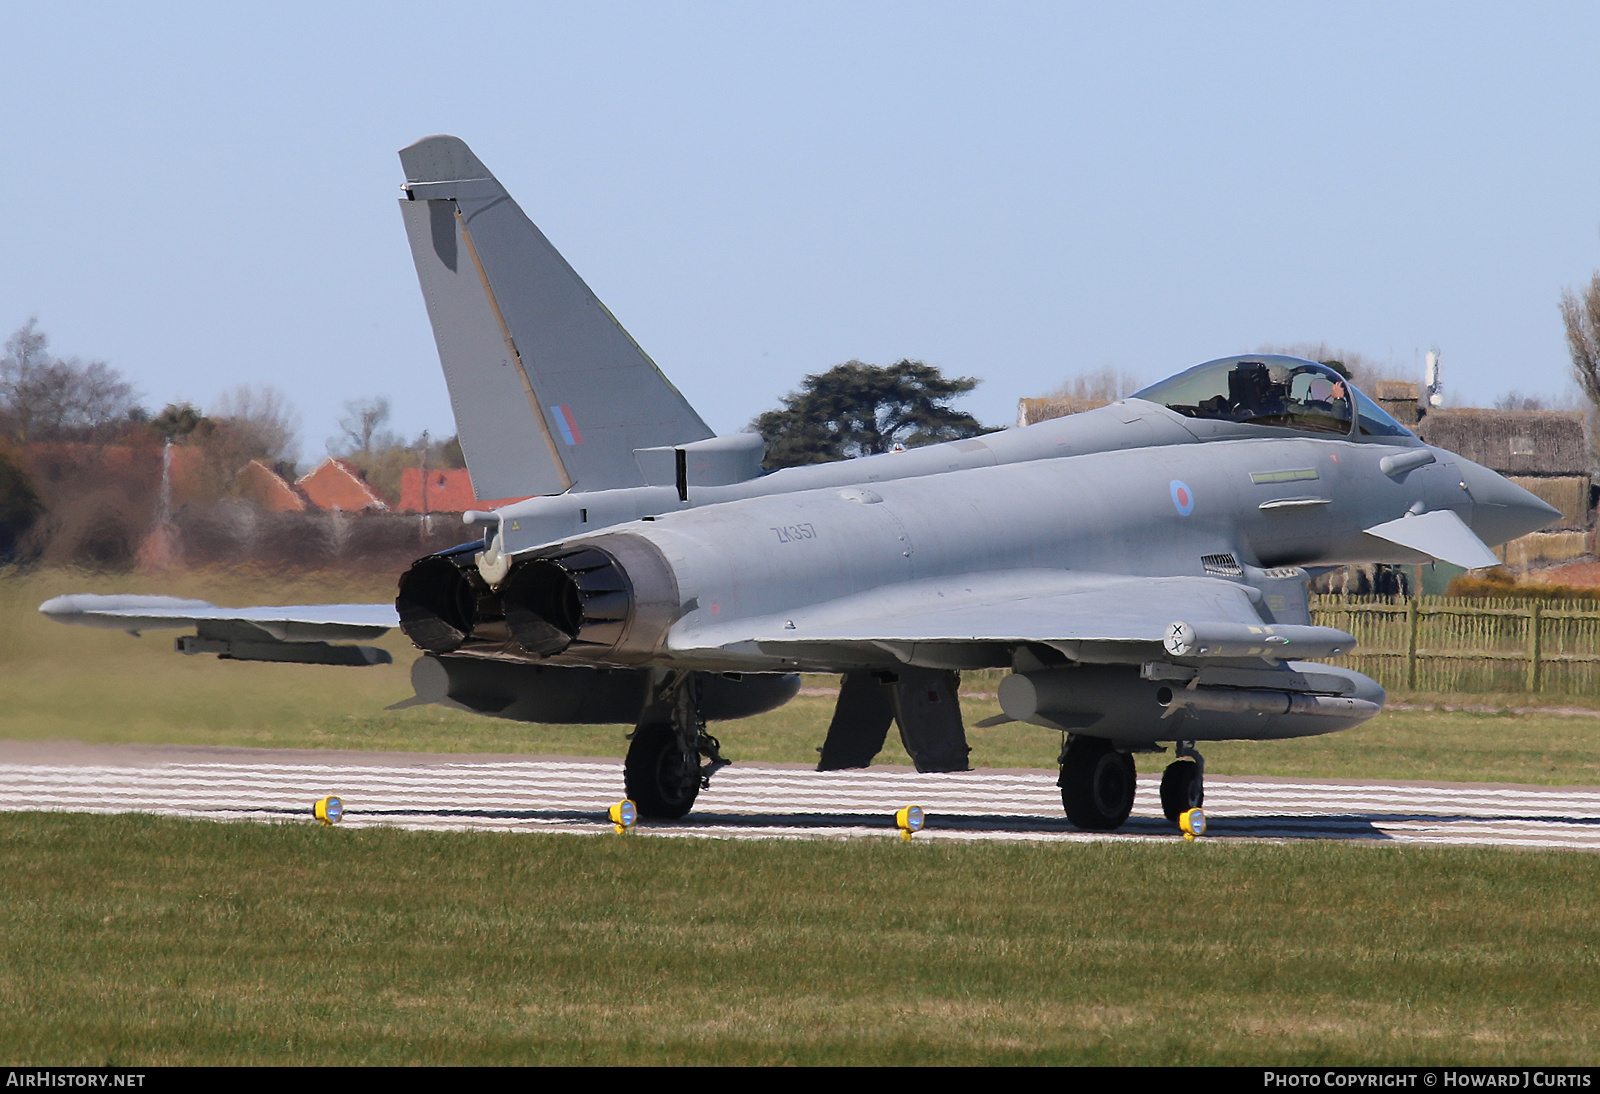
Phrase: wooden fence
pixel 1439 644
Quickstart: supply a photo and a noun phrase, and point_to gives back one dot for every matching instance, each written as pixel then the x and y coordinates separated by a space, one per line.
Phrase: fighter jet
pixel 1141 569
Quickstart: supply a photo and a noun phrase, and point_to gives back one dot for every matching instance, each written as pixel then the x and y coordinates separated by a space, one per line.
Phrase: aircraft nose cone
pixel 1502 510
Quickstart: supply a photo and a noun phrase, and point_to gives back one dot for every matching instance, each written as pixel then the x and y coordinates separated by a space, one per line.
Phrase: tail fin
pixel 549 392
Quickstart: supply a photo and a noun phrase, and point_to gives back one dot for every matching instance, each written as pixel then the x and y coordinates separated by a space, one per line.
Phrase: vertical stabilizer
pixel 549 392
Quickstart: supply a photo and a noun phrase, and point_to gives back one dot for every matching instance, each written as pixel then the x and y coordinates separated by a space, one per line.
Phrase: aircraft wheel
pixel 1181 789
pixel 653 774
pixel 1097 784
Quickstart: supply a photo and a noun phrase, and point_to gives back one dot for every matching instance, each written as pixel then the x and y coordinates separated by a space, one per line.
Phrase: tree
pixel 1096 388
pixel 246 423
pixel 260 421
pixel 1516 400
pixel 447 453
pixel 178 421
pixel 362 427
pixel 19 503
pixel 380 454
pixel 1581 315
pixel 383 466
pixel 47 398
pixel 857 409
pixel 1353 365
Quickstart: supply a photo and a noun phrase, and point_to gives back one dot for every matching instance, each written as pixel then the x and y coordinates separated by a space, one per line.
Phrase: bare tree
pixel 253 423
pixel 384 466
pixel 43 397
pixel 27 356
pixel 1105 385
pixel 1516 400
pixel 362 427
pixel 1361 370
pixel 380 454
pixel 1581 316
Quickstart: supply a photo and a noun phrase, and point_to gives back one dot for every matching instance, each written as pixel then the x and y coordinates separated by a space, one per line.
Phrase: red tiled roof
pixel 268 489
pixel 336 484
pixel 449 491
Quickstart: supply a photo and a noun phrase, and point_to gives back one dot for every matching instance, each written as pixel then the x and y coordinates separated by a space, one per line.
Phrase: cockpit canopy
pixel 1274 391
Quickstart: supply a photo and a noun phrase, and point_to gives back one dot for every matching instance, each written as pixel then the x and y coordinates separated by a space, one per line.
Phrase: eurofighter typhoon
pixel 1140 569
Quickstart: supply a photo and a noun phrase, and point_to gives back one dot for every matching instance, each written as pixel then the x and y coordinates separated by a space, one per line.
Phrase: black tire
pixel 653 774
pixel 1181 789
pixel 1097 784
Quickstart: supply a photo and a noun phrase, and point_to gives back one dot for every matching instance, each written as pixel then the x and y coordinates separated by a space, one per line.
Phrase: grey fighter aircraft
pixel 1140 569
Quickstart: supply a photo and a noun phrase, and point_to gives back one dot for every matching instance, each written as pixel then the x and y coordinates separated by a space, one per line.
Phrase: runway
pixel 523 794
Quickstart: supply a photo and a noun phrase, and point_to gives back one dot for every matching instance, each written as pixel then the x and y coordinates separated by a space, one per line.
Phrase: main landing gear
pixel 662 779
pixel 671 757
pixel 1098 782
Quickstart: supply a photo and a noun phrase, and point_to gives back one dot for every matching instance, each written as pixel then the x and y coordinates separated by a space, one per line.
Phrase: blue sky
pixel 203 195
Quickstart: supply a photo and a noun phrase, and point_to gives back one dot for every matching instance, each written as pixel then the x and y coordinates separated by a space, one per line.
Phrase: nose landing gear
pixel 1183 783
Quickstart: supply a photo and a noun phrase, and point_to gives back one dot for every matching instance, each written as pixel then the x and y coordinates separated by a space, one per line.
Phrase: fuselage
pixel 1100 490
pixel 1133 490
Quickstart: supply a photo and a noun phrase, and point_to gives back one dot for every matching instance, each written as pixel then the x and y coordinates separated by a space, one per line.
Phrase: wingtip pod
pixel 61 608
pixel 97 610
pixel 441 158
pixel 1276 642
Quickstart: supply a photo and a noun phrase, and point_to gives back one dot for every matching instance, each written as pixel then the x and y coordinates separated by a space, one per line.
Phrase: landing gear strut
pixel 1097 783
pixel 664 772
pixel 1183 783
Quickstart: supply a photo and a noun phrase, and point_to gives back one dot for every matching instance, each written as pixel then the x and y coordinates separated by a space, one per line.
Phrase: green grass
pixel 139 940
pixel 77 683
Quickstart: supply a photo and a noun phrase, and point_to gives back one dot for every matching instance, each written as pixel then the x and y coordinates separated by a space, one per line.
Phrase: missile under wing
pixel 1139 569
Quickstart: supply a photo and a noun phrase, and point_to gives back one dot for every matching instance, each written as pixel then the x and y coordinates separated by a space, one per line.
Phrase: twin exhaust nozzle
pixel 615 595
pixel 544 605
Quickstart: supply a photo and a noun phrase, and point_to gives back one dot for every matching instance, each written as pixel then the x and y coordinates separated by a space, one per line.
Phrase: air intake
pixel 1221 565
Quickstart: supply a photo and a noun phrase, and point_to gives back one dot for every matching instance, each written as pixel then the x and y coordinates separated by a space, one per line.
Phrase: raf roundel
pixel 1182 497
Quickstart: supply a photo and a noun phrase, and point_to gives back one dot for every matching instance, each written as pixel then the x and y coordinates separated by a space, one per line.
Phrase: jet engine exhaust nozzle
pixel 578 596
pixel 438 601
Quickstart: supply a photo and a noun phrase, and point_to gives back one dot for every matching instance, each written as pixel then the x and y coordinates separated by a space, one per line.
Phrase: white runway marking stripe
pixel 572 796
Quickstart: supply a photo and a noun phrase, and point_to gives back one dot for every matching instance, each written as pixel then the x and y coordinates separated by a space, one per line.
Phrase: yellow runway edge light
pixel 909 820
pixel 624 815
pixel 329 810
pixel 1193 823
